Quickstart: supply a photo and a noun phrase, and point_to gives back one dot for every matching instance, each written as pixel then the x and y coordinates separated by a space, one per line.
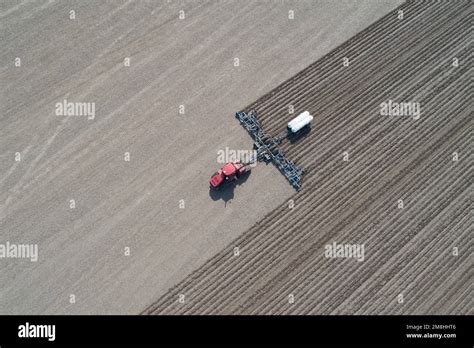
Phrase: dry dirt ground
pixel 400 186
pixel 48 160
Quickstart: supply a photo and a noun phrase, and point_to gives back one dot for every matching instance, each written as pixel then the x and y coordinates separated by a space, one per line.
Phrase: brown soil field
pixel 136 204
pixel 401 186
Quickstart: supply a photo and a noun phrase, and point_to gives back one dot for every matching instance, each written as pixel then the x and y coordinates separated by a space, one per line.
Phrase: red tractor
pixel 228 173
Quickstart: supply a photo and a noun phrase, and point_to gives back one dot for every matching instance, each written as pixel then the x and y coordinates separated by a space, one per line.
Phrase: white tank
pixel 302 123
pixel 298 118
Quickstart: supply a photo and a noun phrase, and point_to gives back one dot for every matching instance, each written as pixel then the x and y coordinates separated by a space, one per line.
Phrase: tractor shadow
pixel 226 193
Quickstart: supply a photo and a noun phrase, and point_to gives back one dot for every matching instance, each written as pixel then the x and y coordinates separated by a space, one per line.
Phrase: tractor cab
pixel 229 171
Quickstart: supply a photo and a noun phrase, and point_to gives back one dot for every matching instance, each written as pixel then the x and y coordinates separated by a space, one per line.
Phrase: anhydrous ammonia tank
pixel 298 118
pixel 295 127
